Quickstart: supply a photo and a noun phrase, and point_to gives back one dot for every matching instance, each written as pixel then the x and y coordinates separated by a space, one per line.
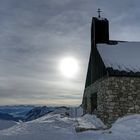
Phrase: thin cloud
pixel 35 35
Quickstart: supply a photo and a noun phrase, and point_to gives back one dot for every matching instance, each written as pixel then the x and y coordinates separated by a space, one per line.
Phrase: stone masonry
pixel 116 97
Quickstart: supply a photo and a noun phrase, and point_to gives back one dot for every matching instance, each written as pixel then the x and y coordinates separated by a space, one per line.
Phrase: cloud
pixel 35 35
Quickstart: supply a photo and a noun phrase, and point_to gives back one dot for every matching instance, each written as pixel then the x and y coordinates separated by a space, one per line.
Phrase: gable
pixel 124 56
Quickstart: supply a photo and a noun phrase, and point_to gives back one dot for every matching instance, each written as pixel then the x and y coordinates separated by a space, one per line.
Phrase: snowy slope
pixel 88 122
pixel 68 111
pixel 6 124
pixel 57 127
pixel 41 111
pixel 47 127
pixel 37 112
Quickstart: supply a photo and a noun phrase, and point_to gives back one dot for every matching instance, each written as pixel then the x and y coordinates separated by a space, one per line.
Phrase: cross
pixel 99 12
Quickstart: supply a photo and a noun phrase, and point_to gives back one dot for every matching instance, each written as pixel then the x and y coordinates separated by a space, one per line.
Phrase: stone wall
pixel 116 97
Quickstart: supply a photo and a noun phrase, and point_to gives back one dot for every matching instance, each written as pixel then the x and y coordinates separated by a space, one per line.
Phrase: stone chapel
pixel 112 86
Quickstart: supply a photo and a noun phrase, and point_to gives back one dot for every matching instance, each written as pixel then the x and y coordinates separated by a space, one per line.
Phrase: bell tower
pixel 99 29
pixel 99 35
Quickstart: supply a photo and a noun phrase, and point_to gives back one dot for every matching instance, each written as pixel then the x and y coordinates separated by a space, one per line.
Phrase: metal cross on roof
pixel 99 12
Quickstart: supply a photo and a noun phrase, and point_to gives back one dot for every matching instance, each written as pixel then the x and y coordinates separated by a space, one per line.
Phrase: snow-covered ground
pixel 6 124
pixel 59 127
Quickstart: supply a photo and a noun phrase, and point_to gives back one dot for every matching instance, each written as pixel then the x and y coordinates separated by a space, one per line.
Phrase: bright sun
pixel 69 67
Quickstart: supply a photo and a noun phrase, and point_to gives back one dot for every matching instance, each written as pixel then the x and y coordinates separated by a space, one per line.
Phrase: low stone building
pixel 112 86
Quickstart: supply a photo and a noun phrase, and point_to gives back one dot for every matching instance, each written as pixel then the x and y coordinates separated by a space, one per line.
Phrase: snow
pixel 6 124
pixel 69 111
pixel 49 126
pixel 59 127
pixel 76 111
pixel 123 56
pixel 66 111
pixel 37 112
pixel 129 124
pixel 90 122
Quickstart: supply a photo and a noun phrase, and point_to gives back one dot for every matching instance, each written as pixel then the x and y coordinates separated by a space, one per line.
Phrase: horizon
pixel 38 105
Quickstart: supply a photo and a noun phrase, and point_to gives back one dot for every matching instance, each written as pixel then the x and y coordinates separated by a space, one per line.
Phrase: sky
pixel 36 34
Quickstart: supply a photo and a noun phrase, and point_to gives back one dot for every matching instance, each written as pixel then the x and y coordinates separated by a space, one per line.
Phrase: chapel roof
pixel 121 56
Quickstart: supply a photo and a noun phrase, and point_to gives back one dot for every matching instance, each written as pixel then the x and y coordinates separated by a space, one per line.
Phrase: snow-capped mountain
pixel 5 116
pixel 28 113
pixel 41 111
pixel 37 112
pixel 16 110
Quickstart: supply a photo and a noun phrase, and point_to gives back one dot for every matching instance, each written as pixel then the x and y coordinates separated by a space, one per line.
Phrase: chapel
pixel 112 87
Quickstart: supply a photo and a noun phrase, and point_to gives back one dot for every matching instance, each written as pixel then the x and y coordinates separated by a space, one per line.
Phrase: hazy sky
pixel 36 34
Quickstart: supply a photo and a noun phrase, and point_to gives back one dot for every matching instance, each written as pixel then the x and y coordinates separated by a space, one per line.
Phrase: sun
pixel 69 67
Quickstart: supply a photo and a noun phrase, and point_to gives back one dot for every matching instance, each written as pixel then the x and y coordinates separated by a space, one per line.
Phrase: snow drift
pixel 57 126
